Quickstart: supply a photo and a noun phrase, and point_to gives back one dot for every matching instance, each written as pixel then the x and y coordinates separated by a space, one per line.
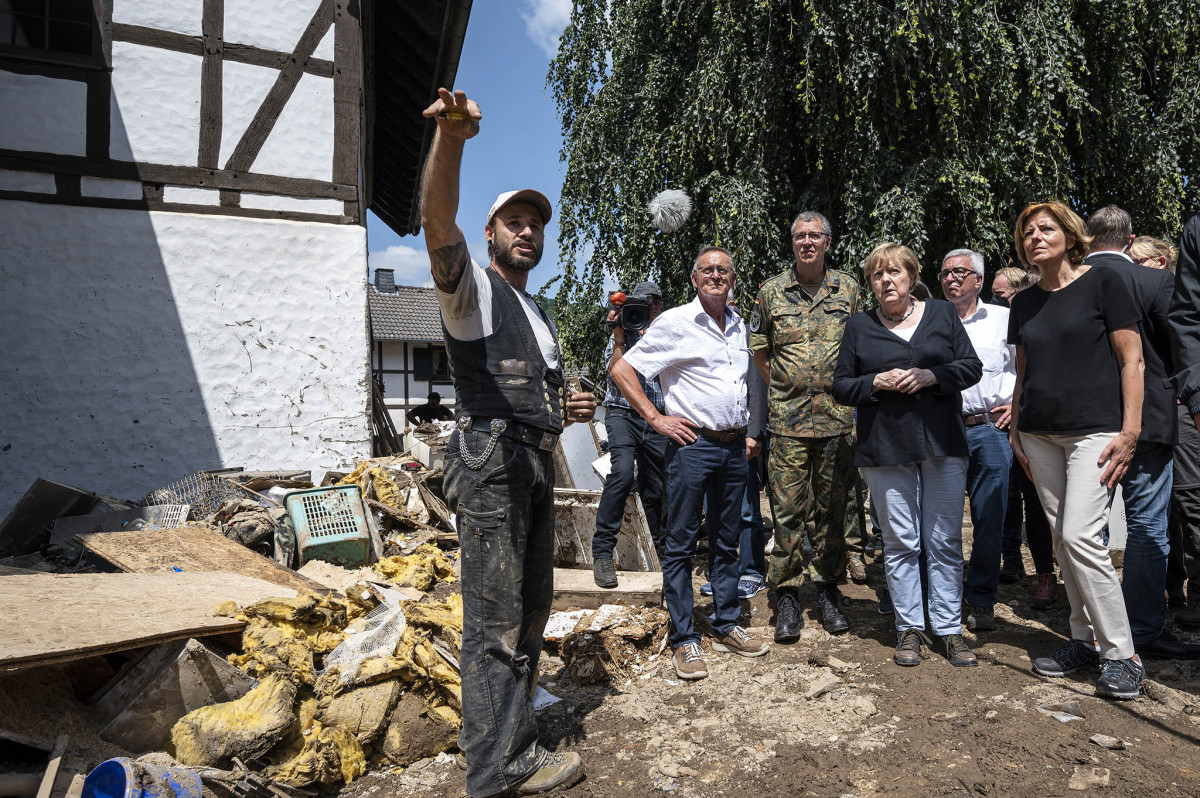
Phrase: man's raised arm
pixel 457 120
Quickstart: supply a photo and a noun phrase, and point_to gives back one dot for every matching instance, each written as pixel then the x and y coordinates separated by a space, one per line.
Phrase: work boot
pixel 787 618
pixel 856 567
pixel 1046 593
pixel 604 572
pixel 558 769
pixel 959 653
pixel 1012 571
pixel 828 605
pixel 1189 618
pixel 908 647
pixel 981 619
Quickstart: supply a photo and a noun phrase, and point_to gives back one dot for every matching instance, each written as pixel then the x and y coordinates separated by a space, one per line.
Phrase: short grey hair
pixel 976 259
pixel 707 249
pixel 812 216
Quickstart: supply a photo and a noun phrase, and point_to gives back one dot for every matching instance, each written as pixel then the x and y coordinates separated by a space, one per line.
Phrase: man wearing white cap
pixel 511 403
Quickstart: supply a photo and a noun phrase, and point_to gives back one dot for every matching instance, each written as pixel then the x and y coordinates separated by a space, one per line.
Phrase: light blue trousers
pixel 921 508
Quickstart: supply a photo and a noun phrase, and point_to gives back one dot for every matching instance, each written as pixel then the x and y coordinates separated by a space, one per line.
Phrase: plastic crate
pixel 331 525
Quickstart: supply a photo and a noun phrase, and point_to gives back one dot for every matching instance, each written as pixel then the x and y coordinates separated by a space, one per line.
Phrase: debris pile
pixel 607 644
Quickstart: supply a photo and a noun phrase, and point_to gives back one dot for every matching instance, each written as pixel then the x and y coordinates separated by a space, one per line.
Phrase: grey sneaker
pixel 1074 656
pixel 689 662
pixel 604 572
pixel 981 619
pixel 558 769
pixel 1120 678
pixel 739 641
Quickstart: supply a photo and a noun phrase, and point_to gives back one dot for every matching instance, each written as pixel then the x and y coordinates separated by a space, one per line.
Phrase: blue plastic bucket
pixel 121 777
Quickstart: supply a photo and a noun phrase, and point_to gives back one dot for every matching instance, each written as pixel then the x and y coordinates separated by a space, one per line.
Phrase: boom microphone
pixel 670 209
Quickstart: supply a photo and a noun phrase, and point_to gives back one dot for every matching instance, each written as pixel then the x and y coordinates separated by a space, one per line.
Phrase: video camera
pixel 635 310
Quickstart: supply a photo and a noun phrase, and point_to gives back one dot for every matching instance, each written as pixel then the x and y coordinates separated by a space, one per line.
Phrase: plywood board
pixel 575 524
pixel 50 618
pixel 190 548
pixel 577 590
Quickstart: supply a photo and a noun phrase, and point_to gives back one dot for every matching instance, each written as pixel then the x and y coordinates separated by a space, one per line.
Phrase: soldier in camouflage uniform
pixel 796 329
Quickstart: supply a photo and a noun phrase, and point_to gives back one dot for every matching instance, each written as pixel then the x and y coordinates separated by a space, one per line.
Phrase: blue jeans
pixel 752 556
pixel 705 469
pixel 920 510
pixel 987 485
pixel 630 440
pixel 505 513
pixel 1146 490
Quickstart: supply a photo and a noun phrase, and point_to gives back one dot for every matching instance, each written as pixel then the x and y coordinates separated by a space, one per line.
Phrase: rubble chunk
pixel 416 731
pixel 246 728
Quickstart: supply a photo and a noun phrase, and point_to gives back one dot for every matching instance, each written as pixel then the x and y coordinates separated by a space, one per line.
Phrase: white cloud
pixel 410 264
pixel 545 21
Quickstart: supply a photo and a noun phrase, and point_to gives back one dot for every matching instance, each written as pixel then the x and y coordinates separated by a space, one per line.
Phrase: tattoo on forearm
pixel 447 265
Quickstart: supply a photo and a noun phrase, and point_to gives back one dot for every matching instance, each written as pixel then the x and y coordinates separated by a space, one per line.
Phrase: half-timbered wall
pixel 182 247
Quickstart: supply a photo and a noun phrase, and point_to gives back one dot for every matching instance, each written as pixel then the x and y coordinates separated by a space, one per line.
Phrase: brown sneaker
pixel 689 662
pixel 558 769
pixel 739 641
pixel 1046 593
pixel 856 567
pixel 959 653
pixel 908 647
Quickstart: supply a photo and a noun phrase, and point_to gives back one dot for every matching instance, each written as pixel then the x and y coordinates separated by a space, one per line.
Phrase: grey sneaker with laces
pixel 1120 678
pixel 689 662
pixel 558 769
pixel 1075 655
pixel 739 641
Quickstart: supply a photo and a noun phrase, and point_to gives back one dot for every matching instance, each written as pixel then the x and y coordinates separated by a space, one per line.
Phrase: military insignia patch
pixel 755 321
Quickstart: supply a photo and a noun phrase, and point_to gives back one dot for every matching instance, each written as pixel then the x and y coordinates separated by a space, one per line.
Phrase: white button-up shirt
pixel 701 369
pixel 987 328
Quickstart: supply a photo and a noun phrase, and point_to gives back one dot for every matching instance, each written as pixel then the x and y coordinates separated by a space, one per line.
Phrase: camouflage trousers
pixel 812 482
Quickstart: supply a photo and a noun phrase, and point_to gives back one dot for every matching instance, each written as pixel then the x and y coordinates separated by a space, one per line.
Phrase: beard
pixel 508 258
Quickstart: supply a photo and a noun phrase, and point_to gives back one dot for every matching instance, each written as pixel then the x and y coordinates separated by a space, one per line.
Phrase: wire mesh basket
pixel 167 516
pixel 331 525
pixel 204 492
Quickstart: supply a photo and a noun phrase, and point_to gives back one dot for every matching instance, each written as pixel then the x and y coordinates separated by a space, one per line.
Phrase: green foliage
pixel 927 123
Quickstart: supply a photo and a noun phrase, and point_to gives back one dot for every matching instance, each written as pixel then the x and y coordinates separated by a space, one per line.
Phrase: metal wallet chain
pixel 475 462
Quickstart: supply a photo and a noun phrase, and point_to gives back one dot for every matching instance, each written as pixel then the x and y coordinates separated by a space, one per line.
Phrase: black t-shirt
pixel 1072 382
pixel 428 412
pixel 1187 452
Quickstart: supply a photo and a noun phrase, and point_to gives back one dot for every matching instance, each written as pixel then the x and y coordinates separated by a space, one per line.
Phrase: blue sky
pixel 503 68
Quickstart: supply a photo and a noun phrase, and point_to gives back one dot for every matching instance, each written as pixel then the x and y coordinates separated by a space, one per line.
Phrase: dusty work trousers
pixel 505 519
pixel 1077 506
pixel 810 480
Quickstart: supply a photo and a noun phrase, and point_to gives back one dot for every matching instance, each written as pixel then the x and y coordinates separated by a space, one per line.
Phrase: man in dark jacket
pixel 1146 488
pixel 1185 338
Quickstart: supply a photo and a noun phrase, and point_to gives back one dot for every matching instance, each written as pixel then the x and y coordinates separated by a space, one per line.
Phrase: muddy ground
pixel 790 724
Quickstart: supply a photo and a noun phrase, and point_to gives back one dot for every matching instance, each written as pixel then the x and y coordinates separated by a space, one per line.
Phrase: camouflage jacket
pixel 801 338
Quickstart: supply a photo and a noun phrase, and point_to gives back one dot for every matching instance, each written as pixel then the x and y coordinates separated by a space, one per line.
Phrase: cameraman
pixel 630 440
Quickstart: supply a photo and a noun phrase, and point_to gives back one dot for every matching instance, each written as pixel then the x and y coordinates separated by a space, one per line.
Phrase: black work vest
pixel 503 375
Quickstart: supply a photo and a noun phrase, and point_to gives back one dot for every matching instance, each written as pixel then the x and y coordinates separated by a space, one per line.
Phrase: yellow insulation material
pixel 269 649
pixel 386 489
pixel 419 570
pixel 247 728
pixel 328 753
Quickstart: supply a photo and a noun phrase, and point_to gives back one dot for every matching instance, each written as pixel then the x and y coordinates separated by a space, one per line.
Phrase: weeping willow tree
pixel 928 123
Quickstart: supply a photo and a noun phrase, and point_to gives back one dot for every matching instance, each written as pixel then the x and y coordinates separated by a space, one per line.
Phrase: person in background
pixel 1184 316
pixel 432 410
pixel 633 445
pixel 1153 253
pixel 1183 563
pixel 903 365
pixel 1077 414
pixel 1007 282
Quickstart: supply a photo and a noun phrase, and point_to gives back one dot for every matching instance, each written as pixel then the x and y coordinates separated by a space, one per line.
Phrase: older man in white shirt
pixel 699 354
pixel 987 411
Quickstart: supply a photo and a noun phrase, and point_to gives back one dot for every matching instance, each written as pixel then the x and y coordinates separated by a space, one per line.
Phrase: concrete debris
pixel 416 731
pixel 246 728
pixel 362 711
pixel 1111 743
pixel 608 643
pixel 1084 777
pixel 821 685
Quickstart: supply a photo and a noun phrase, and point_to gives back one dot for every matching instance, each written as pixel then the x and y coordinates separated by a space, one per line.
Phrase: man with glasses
pixel 987 411
pixel 795 332
pixel 698 353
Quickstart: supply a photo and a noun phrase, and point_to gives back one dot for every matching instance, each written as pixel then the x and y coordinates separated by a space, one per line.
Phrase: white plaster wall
pixel 243 88
pixel 272 24
pixel 187 195
pixel 325 48
pixel 141 347
pixel 37 182
pixel 274 202
pixel 43 114
pixel 393 384
pixel 301 143
pixel 112 189
pixel 181 16
pixel 155 105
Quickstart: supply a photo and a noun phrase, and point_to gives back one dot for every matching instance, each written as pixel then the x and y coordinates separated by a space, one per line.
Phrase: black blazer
pixel 893 426
pixel 1151 290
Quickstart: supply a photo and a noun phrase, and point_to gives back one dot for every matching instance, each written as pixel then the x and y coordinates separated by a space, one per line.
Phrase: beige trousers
pixel 1077 504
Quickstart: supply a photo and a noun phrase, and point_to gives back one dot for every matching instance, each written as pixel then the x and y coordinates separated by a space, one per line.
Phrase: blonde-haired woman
pixel 1153 253
pixel 903 365
pixel 1077 414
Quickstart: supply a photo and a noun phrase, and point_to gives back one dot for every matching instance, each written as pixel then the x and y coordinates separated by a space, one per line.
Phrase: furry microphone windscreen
pixel 670 209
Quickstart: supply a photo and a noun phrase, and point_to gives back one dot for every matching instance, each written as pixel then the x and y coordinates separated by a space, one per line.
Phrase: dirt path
pixel 752 728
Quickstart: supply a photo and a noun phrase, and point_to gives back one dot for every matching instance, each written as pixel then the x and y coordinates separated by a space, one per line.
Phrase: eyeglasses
pixel 798 237
pixel 709 271
pixel 1149 259
pixel 958 272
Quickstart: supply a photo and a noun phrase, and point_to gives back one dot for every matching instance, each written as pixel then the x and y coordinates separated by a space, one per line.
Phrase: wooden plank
pixel 576 590
pixel 252 140
pixel 146 205
pixel 56 757
pixel 196 45
pixel 192 548
pixel 28 161
pixel 347 104
pixel 99 114
pixel 51 618
pixel 213 27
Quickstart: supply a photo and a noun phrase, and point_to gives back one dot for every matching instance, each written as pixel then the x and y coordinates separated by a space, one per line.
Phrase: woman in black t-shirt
pixel 1077 413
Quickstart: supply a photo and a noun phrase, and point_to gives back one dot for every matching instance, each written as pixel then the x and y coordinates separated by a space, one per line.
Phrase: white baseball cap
pixel 534 198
